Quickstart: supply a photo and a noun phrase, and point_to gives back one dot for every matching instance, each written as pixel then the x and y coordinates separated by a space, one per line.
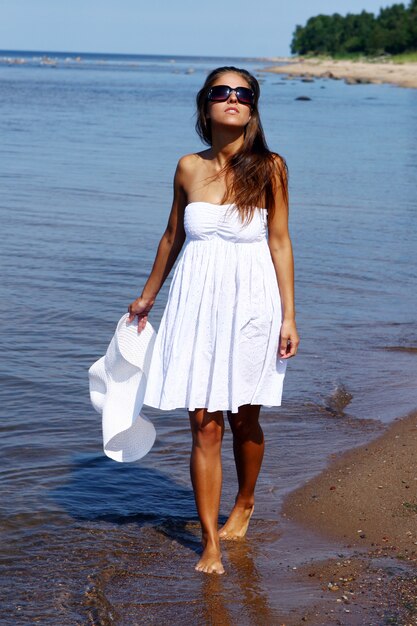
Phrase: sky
pixel 254 28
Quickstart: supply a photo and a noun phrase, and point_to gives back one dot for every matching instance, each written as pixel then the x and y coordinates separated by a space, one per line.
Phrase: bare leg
pixel 248 448
pixel 206 477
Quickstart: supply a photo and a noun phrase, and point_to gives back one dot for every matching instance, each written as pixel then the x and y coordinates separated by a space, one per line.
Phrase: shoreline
pixel 353 72
pixel 366 498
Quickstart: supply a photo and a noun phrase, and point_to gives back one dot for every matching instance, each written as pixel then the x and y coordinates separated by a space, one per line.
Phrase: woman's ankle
pixel 244 502
pixel 210 540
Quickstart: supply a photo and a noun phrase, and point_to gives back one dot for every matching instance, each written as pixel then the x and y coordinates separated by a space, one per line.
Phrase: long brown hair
pixel 251 172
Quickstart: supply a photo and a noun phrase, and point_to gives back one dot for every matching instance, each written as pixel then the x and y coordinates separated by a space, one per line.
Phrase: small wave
pixel 410 349
pixel 338 401
pixel 99 608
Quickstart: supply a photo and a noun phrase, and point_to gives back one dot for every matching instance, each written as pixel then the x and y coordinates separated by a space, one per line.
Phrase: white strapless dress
pixel 217 343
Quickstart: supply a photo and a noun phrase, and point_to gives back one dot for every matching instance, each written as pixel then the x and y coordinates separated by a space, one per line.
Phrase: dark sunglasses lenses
pixel 220 93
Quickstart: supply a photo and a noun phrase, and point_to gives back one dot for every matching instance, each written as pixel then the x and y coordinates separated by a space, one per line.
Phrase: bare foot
pixel 237 524
pixel 211 561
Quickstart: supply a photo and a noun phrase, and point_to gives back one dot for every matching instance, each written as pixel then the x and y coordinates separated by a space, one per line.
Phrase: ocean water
pixel 88 152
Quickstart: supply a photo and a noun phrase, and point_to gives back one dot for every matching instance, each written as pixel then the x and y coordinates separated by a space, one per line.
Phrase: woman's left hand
pixel 289 340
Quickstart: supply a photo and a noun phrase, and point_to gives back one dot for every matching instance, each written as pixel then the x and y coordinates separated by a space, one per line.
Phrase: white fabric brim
pixel 117 390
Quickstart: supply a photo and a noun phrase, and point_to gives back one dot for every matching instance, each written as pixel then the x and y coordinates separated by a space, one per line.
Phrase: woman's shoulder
pixel 280 167
pixel 190 166
pixel 278 160
pixel 193 160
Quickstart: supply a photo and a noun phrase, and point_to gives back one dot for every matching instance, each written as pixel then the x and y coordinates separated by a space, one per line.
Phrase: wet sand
pixel 367 499
pixel 403 75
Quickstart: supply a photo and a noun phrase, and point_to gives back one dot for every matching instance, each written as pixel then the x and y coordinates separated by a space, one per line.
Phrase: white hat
pixel 117 389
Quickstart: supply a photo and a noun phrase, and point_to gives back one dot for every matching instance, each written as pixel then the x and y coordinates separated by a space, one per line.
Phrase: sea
pixel 89 146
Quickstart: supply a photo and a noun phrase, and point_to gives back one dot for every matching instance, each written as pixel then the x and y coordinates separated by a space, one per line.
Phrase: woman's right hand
pixel 140 308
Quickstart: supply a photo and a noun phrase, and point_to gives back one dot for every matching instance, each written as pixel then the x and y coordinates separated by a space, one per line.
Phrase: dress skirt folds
pixel 218 340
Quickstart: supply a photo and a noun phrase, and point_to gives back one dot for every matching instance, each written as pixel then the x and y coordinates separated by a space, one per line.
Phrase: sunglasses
pixel 220 93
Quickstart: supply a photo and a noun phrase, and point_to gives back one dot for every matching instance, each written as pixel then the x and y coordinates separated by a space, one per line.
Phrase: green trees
pixel 393 31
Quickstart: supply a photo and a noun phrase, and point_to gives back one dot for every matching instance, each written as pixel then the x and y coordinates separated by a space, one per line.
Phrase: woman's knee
pixel 207 428
pixel 245 424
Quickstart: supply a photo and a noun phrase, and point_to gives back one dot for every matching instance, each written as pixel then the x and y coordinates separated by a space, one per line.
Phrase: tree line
pixel 392 31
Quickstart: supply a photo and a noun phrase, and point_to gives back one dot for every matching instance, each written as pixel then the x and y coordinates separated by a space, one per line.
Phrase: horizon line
pixel 149 54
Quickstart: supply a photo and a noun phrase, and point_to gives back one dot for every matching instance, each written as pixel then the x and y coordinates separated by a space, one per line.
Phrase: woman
pixel 229 327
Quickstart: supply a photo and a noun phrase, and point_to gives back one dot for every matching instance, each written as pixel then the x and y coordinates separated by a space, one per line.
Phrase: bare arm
pixel 282 256
pixel 168 250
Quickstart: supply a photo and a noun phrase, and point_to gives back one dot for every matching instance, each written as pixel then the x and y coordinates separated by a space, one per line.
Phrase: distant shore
pixel 367 498
pixel 353 72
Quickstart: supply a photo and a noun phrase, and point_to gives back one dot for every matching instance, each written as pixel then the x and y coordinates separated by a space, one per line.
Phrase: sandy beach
pixel 353 72
pixel 367 499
